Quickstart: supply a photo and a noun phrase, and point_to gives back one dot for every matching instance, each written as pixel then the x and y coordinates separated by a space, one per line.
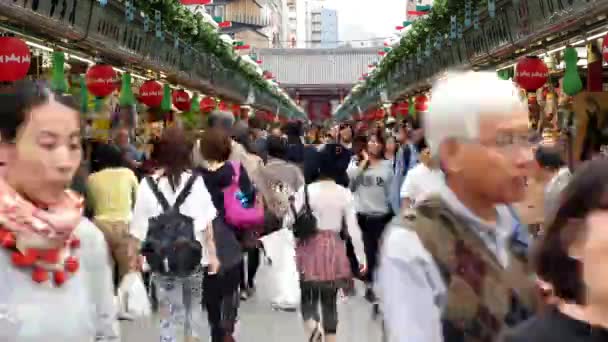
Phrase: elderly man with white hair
pixel 447 270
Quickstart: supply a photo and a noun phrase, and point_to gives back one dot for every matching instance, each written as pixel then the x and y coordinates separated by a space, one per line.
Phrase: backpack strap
pixel 236 167
pixel 159 195
pixel 306 201
pixel 181 198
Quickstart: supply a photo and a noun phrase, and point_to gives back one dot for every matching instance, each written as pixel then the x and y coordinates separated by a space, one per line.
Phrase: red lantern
pixel 402 108
pixel 181 100
pixel 236 110
pixel 101 80
pixel 151 93
pixel 422 103
pixel 223 106
pixel 208 104
pixel 605 48
pixel 14 59
pixel 531 73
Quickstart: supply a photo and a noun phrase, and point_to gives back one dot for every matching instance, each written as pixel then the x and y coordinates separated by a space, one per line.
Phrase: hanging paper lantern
pixel 223 106
pixel 402 108
pixel 181 100
pixel 531 73
pixel 422 103
pixel 236 110
pixel 151 94
pixel 208 104
pixel 15 59
pixel 605 48
pixel 101 80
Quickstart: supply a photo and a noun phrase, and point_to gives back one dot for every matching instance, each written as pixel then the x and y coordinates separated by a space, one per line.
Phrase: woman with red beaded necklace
pixel 54 281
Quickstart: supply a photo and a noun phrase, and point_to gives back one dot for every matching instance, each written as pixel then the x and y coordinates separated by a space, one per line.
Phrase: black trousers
pixel 314 296
pixel 251 264
pixel 221 300
pixel 372 228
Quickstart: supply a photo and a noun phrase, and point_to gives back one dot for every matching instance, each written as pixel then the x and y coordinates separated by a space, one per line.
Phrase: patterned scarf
pixel 40 239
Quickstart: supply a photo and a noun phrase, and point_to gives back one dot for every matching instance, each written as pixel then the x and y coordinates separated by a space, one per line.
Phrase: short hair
pixel 255 123
pixel 221 119
pixel 460 101
pixel 109 156
pixel 586 192
pixel 215 145
pixel 276 146
pixel 549 157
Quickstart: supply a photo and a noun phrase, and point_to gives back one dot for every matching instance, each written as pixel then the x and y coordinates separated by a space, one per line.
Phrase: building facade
pixel 321 25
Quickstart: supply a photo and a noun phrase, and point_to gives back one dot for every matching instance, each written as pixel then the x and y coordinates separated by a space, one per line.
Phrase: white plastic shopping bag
pixel 280 250
pixel 133 296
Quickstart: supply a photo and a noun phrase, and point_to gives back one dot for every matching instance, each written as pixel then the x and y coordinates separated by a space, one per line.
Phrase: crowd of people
pixel 461 223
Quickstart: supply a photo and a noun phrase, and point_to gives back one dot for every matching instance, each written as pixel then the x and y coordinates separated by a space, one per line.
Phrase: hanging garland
pixel 58 82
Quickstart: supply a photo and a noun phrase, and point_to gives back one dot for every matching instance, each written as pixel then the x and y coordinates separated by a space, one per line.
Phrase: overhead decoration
pixel 101 80
pixel 531 73
pixel 195 104
pixel 505 74
pixel 15 59
pixel 422 103
pixel 572 83
pixel 151 93
pixel 84 96
pixel 181 100
pixel 126 97
pixel 222 106
pixel 196 2
pixel 59 83
pixel 165 105
pixel 208 104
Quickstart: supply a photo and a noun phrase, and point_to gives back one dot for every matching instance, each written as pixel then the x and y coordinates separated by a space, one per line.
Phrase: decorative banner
pixel 195 104
pixel 423 8
pixel 15 59
pixel 407 23
pixel 158 22
pixel 605 48
pixel 476 18
pixel 492 8
pixel 146 23
pixel 572 83
pixel 176 43
pixel 103 3
pixel 129 10
pixel 181 100
pixel 438 41
pixel 399 27
pixel 417 13
pixel 126 97
pixel 58 81
pixel 460 28
pixel 225 24
pixel 467 13
pixel 531 73
pixel 151 93
pixel 419 55
pixel 427 50
pixel 101 80
pixel 453 27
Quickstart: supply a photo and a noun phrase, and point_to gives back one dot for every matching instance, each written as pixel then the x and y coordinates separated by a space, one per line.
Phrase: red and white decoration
pixel 208 104
pixel 422 103
pixel 151 93
pixel 15 59
pixel 101 80
pixel 196 2
pixel 181 100
pixel 531 73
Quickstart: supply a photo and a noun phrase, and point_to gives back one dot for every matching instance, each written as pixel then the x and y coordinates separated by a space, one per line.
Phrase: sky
pixel 365 19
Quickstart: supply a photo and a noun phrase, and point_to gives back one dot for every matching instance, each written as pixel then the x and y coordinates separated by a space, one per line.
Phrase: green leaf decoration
pixel 412 107
pixel 572 84
pixel 195 106
pixel 58 82
pixel 165 105
pixel 126 97
pixel 84 96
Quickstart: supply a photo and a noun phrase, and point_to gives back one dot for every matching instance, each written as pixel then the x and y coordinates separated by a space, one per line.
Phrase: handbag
pixel 305 223
pixel 236 213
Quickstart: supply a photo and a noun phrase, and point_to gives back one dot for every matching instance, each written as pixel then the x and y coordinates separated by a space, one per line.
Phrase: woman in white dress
pixel 55 278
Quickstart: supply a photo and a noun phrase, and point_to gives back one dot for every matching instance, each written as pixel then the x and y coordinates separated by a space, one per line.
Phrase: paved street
pixel 259 323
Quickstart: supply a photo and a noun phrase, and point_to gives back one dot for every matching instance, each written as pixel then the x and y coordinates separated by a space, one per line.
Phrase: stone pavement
pixel 259 323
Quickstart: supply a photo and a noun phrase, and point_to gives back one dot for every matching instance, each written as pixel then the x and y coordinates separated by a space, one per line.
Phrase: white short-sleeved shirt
pixel 197 205
pixel 421 182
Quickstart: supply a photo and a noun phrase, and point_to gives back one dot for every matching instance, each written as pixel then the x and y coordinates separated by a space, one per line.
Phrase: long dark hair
pixel 174 152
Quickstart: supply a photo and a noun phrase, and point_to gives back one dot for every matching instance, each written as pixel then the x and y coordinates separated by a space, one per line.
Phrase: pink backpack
pixel 235 214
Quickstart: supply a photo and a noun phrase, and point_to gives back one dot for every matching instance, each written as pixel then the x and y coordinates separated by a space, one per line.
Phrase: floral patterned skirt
pixel 322 260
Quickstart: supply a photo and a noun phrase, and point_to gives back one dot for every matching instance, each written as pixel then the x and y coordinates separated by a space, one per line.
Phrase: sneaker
pixel 370 296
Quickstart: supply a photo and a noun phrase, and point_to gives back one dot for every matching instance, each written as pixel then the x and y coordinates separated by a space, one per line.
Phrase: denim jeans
pixel 179 305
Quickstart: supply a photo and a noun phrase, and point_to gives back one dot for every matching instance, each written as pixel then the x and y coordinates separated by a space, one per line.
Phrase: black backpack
pixel 171 247
pixel 305 224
